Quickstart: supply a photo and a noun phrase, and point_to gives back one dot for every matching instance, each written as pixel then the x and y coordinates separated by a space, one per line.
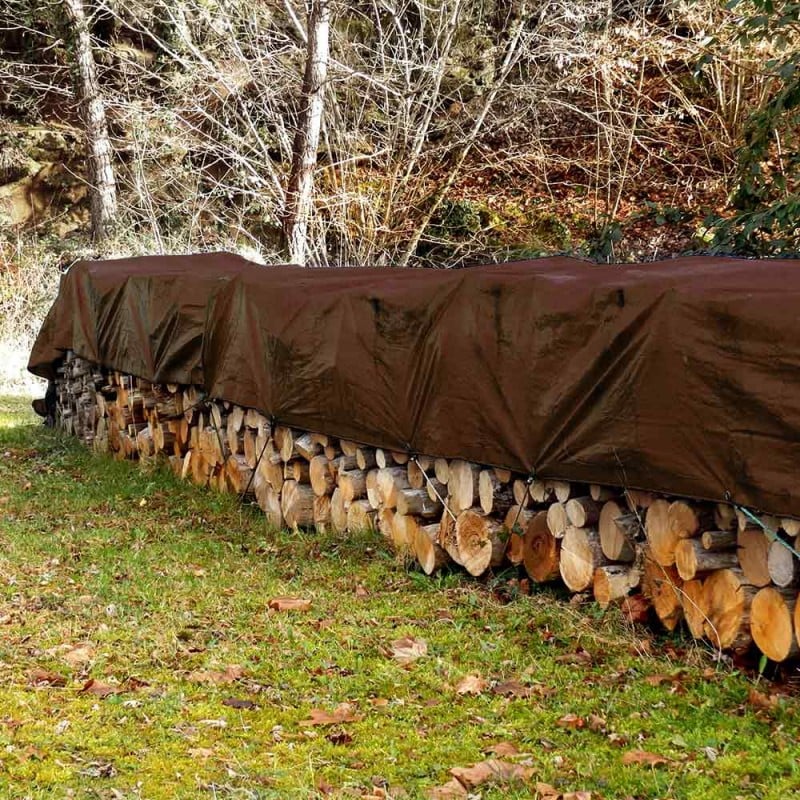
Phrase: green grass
pixel 163 580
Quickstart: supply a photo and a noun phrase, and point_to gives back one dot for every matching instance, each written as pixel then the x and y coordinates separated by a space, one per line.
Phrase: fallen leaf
pixel 512 688
pixel 571 721
pixel 79 655
pixel 643 757
pixel 472 684
pixel 344 712
pixel 362 591
pixel 44 677
pixel 491 771
pixel 100 689
pixel 636 608
pixel 657 680
pixel 408 649
pixel 323 787
pixel 503 749
pixel 234 702
pixel 289 604
pixel 764 702
pixel 546 791
pixel 447 790
pixel 233 672
pixel 577 796
pixel 596 723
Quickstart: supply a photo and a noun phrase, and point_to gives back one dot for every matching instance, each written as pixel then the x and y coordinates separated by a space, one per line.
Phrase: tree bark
pixel 306 140
pixel 98 146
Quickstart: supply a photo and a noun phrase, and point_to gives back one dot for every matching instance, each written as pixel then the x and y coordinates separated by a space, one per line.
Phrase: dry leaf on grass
pixel 643 757
pixel 344 712
pixel 503 749
pixel 764 702
pixel 100 689
pixel 79 655
pixel 45 677
pixel 577 796
pixel 289 604
pixel 571 721
pixel 447 790
pixel 235 702
pixel 232 673
pixel 471 684
pixel 491 771
pixel 512 688
pixel 408 649
pixel 546 792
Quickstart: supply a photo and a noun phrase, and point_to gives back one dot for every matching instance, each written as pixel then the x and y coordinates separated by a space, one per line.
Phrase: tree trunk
pixel 306 140
pixel 98 147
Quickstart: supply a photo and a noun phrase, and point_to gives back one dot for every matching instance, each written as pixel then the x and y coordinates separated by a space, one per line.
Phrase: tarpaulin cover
pixel 679 376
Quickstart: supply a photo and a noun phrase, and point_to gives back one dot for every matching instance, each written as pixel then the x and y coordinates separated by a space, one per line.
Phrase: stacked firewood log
pixel 711 567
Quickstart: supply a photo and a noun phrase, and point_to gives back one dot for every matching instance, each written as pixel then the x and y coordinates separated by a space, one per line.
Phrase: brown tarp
pixel 680 376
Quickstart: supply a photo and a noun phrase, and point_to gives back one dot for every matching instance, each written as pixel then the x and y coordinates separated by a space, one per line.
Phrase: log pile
pixel 708 566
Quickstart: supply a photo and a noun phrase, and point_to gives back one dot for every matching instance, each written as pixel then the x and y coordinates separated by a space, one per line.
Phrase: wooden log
pixel 693 602
pixel 403 534
pixel 417 502
pixel 541 492
pixel 661 536
pixel 790 526
pixel 662 586
pixel 782 564
pixel 322 474
pixel 298 469
pixel 719 540
pixel 771 623
pixel 515 523
pixel 602 494
pixel 724 517
pixel 753 550
pixel 581 555
pixel 385 517
pixel 400 458
pixel 361 516
pixel 383 458
pixel 269 501
pixel 306 446
pixel 345 463
pixel 416 476
pixel 618 532
pixel 502 475
pixel 462 486
pixel 322 512
pixel 436 490
pixel 447 537
pixel 297 504
pixel 521 491
pixel 353 484
pixel 728 598
pixel 639 500
pixel 239 475
pixel 563 490
pixel 557 520
pixel 692 558
pixel 284 442
pixel 389 481
pixel 688 519
pixel 429 554
pixel 441 469
pixel 540 550
pixel 613 582
pixel 479 540
pixel 373 496
pixel 582 512
pixel 339 511
pixel 272 473
pixel 365 458
pixel 495 497
pixel 348 448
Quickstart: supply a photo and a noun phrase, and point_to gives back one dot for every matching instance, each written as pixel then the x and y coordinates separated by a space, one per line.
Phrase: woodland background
pixel 452 132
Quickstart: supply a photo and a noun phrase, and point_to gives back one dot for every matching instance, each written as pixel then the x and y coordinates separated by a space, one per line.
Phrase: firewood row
pixel 709 567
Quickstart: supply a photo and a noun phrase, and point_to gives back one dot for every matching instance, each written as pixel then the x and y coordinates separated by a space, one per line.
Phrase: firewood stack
pixel 707 565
